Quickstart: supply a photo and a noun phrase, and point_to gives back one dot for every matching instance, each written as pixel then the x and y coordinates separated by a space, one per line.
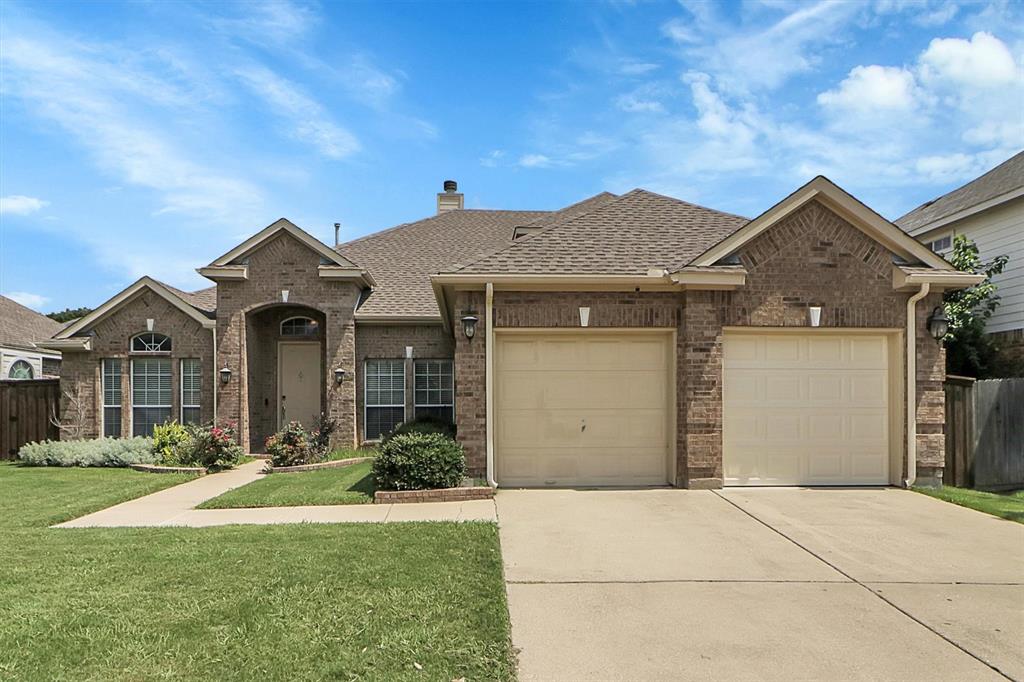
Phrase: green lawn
pixel 1004 505
pixel 349 485
pixel 347 602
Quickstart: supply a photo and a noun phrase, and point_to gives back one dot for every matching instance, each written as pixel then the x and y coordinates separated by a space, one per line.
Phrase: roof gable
pixel 21 326
pixel 846 206
pixel 115 304
pixel 272 230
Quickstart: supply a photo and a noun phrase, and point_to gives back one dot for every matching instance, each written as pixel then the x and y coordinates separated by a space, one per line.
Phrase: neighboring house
pixel 623 340
pixel 20 329
pixel 990 212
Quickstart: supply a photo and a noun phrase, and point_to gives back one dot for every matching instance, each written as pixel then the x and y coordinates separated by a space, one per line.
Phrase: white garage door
pixel 806 409
pixel 582 408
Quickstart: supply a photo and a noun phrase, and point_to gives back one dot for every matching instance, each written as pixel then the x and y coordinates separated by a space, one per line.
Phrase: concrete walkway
pixel 175 506
pixel 767 584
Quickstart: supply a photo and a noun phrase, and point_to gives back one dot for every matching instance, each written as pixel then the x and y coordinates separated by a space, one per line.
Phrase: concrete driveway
pixel 760 584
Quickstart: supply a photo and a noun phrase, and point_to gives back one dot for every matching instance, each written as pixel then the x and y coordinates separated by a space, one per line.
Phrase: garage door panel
pixel 806 410
pixel 582 409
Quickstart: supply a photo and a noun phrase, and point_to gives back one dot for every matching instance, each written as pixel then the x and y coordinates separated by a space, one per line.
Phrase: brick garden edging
pixel 336 464
pixel 436 495
pixel 154 469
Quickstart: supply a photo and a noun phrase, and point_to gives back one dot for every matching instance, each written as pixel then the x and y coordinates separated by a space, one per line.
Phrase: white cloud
pixel 17 204
pixel 534 161
pixel 680 32
pixel 634 104
pixel 492 159
pixel 310 122
pixel 950 168
pixel 629 67
pixel 29 300
pixel 982 62
pixel 269 21
pixel 871 88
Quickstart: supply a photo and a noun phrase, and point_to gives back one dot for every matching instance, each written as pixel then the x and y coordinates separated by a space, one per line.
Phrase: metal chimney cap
pixel 451 186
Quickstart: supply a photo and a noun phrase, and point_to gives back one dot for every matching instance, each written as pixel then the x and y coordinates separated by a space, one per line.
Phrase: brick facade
pixel 112 339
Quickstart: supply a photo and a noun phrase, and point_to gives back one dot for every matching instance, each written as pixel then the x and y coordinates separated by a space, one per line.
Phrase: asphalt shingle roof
pixel 203 299
pixel 628 235
pixel 21 326
pixel 1004 178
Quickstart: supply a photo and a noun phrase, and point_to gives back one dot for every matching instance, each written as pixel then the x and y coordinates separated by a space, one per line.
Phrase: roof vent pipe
pixel 451 186
pixel 337 234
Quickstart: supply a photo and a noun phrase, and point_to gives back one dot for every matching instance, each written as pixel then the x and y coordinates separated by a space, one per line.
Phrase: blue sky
pixel 150 137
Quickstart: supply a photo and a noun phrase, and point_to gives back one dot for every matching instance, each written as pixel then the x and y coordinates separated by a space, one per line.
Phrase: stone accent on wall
pixel 388 342
pixel 283 263
pixel 112 339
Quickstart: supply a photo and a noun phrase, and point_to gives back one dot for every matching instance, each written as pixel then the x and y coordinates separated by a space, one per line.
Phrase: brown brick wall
pixel 388 342
pixel 470 383
pixel 112 340
pixel 284 263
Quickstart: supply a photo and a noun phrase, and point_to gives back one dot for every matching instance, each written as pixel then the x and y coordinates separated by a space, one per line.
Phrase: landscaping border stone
pixel 156 469
pixel 335 464
pixel 435 495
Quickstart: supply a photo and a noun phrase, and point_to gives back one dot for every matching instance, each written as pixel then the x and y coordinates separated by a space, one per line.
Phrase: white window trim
pixel 31 368
pixel 181 388
pixel 417 405
pixel 366 401
pixel 103 395
pixel 131 387
pixel 948 236
pixel 131 345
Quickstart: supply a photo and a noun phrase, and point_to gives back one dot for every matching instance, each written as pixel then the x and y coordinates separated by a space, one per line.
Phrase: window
pixel 151 343
pixel 111 397
pixel 20 369
pixel 191 390
pixel 385 396
pixel 151 394
pixel 435 389
pixel 299 326
pixel 941 244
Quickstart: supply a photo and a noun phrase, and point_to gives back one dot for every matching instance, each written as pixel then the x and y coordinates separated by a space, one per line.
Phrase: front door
pixel 299 383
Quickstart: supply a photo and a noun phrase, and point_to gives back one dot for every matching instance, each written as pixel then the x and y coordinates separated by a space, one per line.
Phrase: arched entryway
pixel 286 360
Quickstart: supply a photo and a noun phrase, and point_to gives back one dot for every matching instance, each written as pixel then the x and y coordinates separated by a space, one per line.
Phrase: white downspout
pixel 216 375
pixel 912 384
pixel 489 381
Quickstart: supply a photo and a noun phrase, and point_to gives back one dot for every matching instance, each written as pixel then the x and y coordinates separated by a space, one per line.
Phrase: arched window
pixel 20 369
pixel 151 342
pixel 299 326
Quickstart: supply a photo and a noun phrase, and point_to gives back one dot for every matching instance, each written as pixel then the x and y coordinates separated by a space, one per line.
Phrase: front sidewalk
pixel 176 507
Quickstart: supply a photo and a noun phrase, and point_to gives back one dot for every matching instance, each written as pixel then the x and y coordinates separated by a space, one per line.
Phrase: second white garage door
pixel 806 409
pixel 582 408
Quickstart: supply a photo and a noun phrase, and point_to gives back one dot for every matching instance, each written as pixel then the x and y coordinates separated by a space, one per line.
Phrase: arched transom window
pixel 299 326
pixel 151 342
pixel 20 369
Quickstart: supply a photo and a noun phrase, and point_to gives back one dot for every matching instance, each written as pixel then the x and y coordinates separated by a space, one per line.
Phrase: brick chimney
pixel 450 199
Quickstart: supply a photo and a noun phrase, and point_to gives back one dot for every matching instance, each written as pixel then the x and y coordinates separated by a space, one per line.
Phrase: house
pixel 20 329
pixel 989 211
pixel 624 340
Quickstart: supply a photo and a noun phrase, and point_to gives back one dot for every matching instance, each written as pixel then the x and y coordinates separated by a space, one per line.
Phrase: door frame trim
pixel 671 463
pixel 897 382
pixel 277 382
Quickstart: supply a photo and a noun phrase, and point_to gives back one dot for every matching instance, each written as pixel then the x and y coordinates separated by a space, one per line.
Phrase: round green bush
pixel 426 424
pixel 419 461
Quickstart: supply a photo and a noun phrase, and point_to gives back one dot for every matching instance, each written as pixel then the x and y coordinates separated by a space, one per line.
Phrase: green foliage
pixel 419 461
pixel 425 424
pixel 969 351
pixel 69 314
pixel 191 445
pixel 293 445
pixel 101 452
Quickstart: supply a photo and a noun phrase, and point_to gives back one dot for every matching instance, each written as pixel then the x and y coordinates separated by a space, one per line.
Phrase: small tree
pixel 969 351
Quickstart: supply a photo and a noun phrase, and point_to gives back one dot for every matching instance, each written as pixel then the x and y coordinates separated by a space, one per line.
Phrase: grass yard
pixel 349 485
pixel 348 602
pixel 1004 505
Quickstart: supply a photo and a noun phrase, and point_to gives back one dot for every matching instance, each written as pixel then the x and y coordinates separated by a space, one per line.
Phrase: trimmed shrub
pixel 101 452
pixel 171 443
pixel 212 447
pixel 293 445
pixel 425 424
pixel 419 461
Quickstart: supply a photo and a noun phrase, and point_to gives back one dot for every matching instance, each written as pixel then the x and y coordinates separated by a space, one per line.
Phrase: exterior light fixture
pixel 938 323
pixel 225 375
pixel 469 321
pixel 339 375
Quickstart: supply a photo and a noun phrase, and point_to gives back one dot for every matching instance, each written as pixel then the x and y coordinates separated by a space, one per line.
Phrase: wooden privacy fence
pixel 984 433
pixel 25 411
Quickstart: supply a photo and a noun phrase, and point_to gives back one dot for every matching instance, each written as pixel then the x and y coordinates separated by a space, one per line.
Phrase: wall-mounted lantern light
pixel 938 323
pixel 225 375
pixel 339 375
pixel 469 320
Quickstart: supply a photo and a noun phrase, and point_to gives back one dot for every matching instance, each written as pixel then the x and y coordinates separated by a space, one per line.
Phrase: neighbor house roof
pixel 21 327
pixel 402 258
pixel 627 235
pixel 1002 183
